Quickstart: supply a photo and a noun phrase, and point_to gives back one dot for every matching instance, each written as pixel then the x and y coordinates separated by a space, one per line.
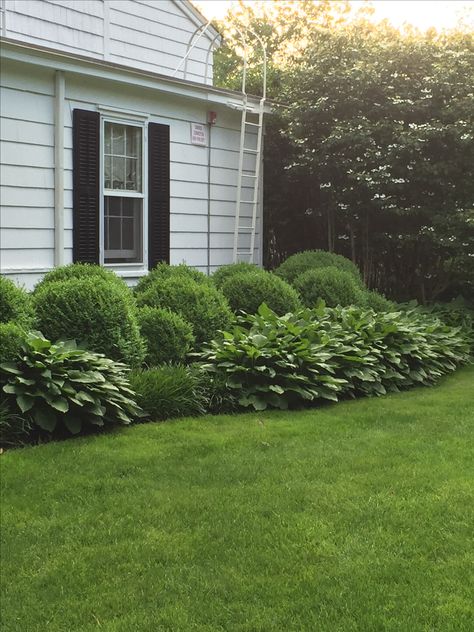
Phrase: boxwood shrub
pixel 170 391
pixel 100 315
pixel 80 271
pixel 378 302
pixel 331 285
pixel 163 271
pixel 12 338
pixel 248 290
pixel 295 265
pixel 167 335
pixel 201 304
pixel 60 386
pixel 223 273
pixel 15 303
pixel 328 354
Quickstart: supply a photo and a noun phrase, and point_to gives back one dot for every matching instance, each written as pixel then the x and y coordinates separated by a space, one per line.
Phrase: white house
pixel 115 146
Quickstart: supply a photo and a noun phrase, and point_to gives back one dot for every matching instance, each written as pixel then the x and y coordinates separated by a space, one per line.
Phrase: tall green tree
pixel 372 153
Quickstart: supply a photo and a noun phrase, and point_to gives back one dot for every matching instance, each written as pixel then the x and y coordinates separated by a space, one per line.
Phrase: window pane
pixel 118 139
pixel 107 138
pixel 118 173
pixel 132 176
pixel 122 157
pixel 128 233
pixel 123 230
pixel 107 172
pixel 114 237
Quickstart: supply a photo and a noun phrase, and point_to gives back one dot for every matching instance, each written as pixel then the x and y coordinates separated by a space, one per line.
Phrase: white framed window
pixel 123 218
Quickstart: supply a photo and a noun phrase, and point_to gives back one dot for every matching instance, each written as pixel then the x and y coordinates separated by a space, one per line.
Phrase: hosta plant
pixel 60 385
pixel 328 354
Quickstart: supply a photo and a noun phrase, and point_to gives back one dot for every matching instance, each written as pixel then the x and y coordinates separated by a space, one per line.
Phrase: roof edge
pixel 109 65
pixel 188 7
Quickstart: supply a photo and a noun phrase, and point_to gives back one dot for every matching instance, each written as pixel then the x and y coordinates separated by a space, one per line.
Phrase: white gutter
pixel 111 71
pixel 59 90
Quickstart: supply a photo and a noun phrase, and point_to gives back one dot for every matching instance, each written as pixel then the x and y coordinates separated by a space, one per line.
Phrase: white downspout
pixel 59 91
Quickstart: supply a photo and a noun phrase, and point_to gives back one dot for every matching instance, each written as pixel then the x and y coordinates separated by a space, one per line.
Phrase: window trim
pixel 143 195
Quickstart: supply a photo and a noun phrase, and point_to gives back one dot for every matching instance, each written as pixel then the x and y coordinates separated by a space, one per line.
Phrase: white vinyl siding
pixel 27 170
pixel 27 174
pixel 151 35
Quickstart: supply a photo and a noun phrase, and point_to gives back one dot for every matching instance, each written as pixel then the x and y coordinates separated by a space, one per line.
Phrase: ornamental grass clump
pixel 246 291
pixel 331 285
pixel 60 386
pixel 99 314
pixel 300 262
pixel 329 354
pixel 170 391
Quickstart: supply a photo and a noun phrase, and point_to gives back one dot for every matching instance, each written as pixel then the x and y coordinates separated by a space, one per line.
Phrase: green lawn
pixel 357 516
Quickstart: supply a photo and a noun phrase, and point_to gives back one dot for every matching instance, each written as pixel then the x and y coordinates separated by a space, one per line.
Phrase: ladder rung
pixel 253 151
pixel 246 228
pixel 252 124
pixel 244 252
pixel 248 175
pixel 249 201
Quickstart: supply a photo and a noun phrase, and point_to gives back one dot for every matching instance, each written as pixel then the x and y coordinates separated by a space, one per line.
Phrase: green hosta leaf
pixel 60 404
pixel 69 345
pixel 95 420
pixel 86 397
pixel 259 404
pixel 10 367
pixel 73 424
pixel 259 340
pixel 276 389
pixel 25 381
pixel 25 402
pixel 45 419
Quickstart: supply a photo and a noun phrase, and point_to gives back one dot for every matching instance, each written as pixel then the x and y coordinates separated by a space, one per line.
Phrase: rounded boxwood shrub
pixel 170 391
pixel 247 291
pixel 295 265
pixel 15 303
pixel 12 338
pixel 80 271
pixel 167 335
pixel 202 305
pixel 99 315
pixel 223 273
pixel 333 286
pixel 164 271
pixel 378 302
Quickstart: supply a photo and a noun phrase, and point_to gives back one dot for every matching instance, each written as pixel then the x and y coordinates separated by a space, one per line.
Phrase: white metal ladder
pixel 244 176
pixel 241 251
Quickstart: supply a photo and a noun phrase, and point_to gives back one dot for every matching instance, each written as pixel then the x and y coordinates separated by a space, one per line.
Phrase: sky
pixel 421 13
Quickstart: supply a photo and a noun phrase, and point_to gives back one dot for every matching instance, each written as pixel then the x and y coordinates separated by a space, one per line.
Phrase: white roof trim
pixel 197 17
pixel 79 64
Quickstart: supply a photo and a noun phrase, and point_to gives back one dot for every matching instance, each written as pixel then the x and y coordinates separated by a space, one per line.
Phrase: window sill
pixel 127 274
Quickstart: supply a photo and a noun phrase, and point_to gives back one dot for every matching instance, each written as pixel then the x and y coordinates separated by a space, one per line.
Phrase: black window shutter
pixel 158 194
pixel 86 185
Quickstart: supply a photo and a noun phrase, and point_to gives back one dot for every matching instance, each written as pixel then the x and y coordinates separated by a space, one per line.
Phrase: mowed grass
pixel 357 516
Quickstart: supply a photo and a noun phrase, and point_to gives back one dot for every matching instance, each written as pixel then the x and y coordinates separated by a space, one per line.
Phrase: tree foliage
pixel 375 143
